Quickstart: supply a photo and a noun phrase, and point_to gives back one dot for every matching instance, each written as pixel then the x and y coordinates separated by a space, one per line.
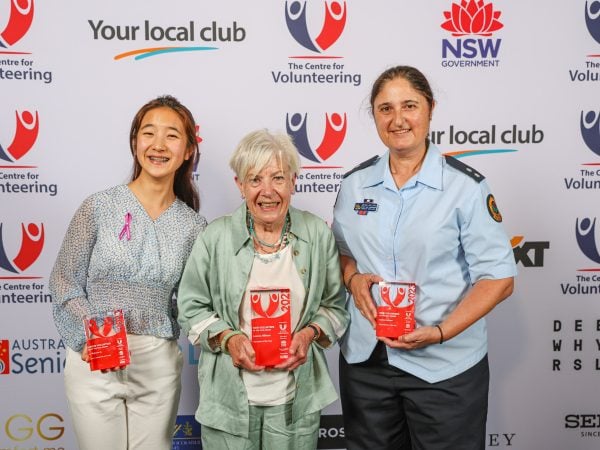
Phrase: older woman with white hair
pixel 265 243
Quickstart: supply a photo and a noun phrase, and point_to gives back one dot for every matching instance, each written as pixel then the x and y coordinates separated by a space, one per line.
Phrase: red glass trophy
pixel 396 313
pixel 106 340
pixel 271 325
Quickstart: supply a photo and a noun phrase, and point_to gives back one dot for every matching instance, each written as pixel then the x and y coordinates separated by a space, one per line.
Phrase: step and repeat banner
pixel 517 86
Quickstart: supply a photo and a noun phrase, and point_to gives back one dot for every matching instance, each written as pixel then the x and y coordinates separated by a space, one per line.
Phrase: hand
pixel 86 357
pixel 242 353
pixel 360 288
pixel 298 350
pixel 420 337
pixel 84 354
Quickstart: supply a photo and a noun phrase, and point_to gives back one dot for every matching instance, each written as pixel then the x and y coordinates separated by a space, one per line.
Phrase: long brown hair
pixel 183 186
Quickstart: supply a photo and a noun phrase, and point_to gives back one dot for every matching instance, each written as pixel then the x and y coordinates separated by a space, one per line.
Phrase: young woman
pixel 125 249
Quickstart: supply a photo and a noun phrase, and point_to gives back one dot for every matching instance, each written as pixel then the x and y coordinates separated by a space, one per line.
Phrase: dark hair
pixel 414 76
pixel 183 186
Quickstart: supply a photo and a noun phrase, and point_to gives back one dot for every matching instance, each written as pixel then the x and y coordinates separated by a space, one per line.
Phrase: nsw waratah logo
pixel 590 130
pixel 476 19
pixel 26 133
pixel 472 17
pixel 333 136
pixel 19 21
pixel 32 243
pixel 585 232
pixel 592 18
pixel 334 22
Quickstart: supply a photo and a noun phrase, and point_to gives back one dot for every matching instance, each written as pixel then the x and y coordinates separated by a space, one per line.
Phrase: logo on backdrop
pixel 471 18
pixel 21 146
pixel 4 357
pixel 26 133
pixel 213 33
pixel 585 232
pixel 588 71
pixel 575 344
pixel 19 21
pixel 32 356
pixel 585 424
pixel 529 253
pixel 587 279
pixel 17 63
pixel 590 130
pixel 321 177
pixel 333 25
pixel 187 434
pixel 31 245
pixel 588 176
pixel 592 18
pixel 331 432
pixel 333 136
pixel 492 135
pixel 316 27
pixel 26 430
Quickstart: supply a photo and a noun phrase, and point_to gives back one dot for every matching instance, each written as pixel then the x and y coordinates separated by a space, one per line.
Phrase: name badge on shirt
pixel 367 206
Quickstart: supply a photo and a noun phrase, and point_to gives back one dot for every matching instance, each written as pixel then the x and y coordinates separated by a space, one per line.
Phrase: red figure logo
pixel 400 294
pixel 472 17
pixel 333 137
pixel 333 25
pixel 32 243
pixel 26 133
pixel 21 16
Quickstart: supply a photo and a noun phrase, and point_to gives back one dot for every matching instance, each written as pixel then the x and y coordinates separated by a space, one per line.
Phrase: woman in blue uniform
pixel 415 216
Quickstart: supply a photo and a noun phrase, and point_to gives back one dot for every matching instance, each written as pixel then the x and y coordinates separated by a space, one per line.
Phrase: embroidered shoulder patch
pixel 464 168
pixel 363 165
pixel 493 208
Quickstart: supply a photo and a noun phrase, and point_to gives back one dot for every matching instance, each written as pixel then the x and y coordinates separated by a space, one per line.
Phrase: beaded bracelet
pixel 441 334
pixel 226 339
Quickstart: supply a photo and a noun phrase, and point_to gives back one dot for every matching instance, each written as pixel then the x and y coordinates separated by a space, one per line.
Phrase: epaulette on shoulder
pixel 363 165
pixel 464 168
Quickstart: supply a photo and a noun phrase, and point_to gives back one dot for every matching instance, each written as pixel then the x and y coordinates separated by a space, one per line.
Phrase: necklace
pixel 283 237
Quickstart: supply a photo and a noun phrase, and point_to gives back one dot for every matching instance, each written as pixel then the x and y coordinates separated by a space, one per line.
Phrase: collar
pixel 430 173
pixel 241 236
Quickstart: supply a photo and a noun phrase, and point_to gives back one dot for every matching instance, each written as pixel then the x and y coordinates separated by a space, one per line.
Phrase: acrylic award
pixel 106 339
pixel 395 308
pixel 271 325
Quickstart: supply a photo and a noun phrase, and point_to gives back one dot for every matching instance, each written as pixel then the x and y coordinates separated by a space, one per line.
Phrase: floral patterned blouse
pixel 114 256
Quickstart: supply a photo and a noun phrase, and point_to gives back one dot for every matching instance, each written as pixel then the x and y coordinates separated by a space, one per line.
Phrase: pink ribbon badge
pixel 126 231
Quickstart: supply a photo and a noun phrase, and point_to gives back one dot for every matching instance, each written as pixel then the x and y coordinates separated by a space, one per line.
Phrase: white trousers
pixel 132 409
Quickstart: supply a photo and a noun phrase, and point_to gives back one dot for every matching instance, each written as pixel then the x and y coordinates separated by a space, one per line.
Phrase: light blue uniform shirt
pixel 436 231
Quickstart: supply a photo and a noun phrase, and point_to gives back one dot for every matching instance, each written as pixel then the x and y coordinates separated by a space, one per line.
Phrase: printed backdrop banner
pixel 517 95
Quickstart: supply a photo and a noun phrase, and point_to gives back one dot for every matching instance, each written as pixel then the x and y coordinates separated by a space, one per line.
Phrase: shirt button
pixel 303 271
pixel 296 252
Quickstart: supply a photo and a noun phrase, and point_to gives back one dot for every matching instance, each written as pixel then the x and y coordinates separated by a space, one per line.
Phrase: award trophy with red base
pixel 106 340
pixel 271 327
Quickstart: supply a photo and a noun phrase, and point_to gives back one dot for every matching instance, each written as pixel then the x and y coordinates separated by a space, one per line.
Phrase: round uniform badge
pixel 493 209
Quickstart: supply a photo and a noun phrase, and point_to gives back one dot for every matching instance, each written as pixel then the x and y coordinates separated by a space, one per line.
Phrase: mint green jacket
pixel 214 282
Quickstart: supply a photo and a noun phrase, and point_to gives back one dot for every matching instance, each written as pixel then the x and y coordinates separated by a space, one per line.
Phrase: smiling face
pixel 268 192
pixel 161 144
pixel 402 115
